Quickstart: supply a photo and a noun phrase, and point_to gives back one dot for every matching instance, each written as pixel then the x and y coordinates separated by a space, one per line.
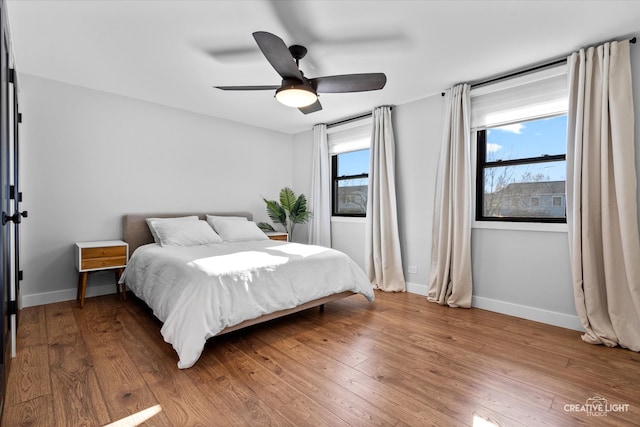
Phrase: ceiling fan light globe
pixel 296 96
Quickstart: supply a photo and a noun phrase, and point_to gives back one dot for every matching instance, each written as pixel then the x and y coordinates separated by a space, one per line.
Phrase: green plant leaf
pixel 299 213
pixel 276 212
pixel 265 226
pixel 287 199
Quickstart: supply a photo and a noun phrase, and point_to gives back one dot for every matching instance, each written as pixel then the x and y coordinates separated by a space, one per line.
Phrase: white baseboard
pixel 417 288
pixel 531 313
pixel 525 312
pixel 517 310
pixel 66 295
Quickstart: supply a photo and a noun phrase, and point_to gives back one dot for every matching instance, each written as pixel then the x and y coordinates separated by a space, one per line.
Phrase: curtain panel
pixel 450 275
pixel 383 260
pixel 320 194
pixel 602 202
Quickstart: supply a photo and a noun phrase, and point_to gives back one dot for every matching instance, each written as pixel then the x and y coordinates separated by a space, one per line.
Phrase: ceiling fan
pixel 301 92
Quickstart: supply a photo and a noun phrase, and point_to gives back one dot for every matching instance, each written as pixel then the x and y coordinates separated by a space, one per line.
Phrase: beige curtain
pixel 601 196
pixel 450 276
pixel 320 195
pixel 383 260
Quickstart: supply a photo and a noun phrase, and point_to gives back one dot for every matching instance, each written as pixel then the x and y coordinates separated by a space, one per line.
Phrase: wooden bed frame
pixel 136 233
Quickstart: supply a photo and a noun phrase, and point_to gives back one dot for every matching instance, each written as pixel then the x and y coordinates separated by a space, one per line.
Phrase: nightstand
pixel 98 256
pixel 277 235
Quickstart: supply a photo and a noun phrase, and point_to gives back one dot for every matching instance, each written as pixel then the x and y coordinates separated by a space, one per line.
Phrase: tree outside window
pixel 521 171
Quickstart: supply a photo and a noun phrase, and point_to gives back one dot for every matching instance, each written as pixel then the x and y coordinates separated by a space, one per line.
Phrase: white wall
pixel 302 155
pixel 525 274
pixel 89 157
pixel 518 272
pixel 417 129
pixel 347 234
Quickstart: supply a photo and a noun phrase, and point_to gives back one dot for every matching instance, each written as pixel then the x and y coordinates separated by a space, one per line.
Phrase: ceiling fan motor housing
pixel 298 52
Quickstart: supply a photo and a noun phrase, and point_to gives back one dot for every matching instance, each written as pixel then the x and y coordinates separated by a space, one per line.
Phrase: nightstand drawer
pixel 278 237
pixel 103 252
pixel 104 262
pixel 101 255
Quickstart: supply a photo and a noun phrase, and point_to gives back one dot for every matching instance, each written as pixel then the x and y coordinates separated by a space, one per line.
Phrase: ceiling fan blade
pixel 349 83
pixel 278 55
pixel 241 55
pixel 247 87
pixel 316 106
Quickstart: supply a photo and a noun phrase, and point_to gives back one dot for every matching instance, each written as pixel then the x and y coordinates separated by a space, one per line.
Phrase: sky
pixel 531 139
pixel 354 163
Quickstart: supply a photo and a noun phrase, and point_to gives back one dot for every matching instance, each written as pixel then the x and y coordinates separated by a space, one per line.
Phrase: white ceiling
pixel 172 52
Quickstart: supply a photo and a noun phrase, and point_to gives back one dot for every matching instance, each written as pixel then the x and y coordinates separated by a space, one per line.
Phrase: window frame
pixel 482 164
pixel 335 180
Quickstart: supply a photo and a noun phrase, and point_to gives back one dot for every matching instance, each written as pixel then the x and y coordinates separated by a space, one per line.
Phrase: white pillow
pixel 213 219
pixel 185 233
pixel 239 231
pixel 152 221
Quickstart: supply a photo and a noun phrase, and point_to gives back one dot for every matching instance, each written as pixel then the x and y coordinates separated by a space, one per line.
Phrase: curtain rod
pixel 556 61
pixel 519 73
pixel 352 119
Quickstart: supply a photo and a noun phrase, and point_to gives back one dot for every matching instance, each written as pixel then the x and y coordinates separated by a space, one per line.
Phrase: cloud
pixel 514 128
pixel 492 148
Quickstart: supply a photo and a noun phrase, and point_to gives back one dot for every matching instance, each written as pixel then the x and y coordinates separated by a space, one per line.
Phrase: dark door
pixel 10 198
pixel 16 198
pixel 5 205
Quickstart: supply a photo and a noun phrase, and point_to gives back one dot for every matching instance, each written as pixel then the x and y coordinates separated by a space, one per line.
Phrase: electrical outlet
pixel 413 269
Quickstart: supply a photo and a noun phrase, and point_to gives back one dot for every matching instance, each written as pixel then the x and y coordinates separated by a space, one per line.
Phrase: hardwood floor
pixel 400 361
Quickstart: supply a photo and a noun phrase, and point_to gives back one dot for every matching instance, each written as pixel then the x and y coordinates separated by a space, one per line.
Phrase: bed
pixel 202 285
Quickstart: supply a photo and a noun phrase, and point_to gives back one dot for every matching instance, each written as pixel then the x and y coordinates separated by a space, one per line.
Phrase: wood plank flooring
pixel 400 361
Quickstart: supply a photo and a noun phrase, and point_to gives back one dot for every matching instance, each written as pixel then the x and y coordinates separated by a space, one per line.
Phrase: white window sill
pixel 521 226
pixel 356 219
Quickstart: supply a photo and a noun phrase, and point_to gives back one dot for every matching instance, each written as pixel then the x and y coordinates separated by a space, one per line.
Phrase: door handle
pixel 16 218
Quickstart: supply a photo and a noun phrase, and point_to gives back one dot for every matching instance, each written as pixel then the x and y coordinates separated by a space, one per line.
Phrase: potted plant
pixel 288 211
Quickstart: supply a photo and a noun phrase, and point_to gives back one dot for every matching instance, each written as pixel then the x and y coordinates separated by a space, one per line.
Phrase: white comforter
pixel 198 291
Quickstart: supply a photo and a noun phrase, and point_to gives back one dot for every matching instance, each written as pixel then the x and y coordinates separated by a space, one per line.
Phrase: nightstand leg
pixel 120 288
pixel 82 287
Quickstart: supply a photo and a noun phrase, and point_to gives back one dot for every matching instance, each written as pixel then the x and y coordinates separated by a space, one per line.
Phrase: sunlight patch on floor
pixel 478 421
pixel 137 418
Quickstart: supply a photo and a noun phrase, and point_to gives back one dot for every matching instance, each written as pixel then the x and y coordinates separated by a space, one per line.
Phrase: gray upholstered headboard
pixel 136 232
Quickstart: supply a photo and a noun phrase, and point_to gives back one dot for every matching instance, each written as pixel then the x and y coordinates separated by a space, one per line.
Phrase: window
pixel 350 173
pixel 521 171
pixel 349 150
pixel 557 201
pixel 520 127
